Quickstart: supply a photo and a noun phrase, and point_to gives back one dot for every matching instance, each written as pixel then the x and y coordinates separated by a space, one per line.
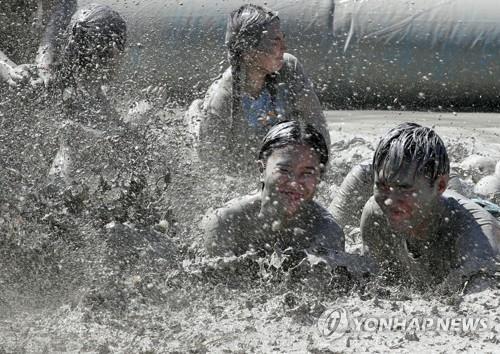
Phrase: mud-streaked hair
pixel 245 29
pixel 289 133
pixel 92 31
pixel 411 143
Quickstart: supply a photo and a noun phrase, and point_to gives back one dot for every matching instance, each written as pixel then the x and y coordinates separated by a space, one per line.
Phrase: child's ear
pixel 261 166
pixel 442 183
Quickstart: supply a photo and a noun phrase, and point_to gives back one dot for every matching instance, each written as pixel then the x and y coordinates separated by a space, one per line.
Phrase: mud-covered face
pixel 268 56
pixel 290 177
pixel 101 55
pixel 407 199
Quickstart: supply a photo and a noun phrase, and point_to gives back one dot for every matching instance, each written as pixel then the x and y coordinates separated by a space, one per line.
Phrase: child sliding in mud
pixel 283 214
pixel 94 40
pixel 263 86
pixel 413 226
pixel 65 122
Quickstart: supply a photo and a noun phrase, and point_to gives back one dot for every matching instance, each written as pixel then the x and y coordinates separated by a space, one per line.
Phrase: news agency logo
pixel 335 323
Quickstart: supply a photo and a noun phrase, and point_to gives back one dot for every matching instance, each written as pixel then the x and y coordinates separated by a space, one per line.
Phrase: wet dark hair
pixel 245 29
pixel 92 32
pixel 407 143
pixel 293 133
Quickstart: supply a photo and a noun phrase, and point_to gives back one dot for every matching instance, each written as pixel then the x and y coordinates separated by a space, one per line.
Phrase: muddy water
pixel 119 269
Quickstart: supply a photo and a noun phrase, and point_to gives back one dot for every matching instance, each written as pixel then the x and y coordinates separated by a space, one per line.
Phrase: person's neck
pixel 270 213
pixel 429 225
pixel 254 81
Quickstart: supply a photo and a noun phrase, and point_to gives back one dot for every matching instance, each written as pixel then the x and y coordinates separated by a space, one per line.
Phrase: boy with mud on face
pixel 411 225
pixel 283 213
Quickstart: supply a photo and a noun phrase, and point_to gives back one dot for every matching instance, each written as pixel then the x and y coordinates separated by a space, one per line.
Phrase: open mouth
pixel 293 196
pixel 398 215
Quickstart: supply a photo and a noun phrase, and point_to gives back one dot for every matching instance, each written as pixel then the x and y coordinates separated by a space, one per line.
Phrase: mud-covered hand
pixel 15 75
pixel 24 74
pixel 43 76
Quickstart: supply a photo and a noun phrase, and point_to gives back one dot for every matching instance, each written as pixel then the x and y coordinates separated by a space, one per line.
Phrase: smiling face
pixel 290 176
pixel 268 56
pixel 407 199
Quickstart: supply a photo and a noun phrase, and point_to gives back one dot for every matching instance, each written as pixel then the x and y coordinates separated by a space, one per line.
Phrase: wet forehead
pixel 406 174
pixel 272 31
pixel 294 156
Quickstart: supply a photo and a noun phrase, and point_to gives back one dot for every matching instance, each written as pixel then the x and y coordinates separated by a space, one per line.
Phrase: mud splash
pixel 117 267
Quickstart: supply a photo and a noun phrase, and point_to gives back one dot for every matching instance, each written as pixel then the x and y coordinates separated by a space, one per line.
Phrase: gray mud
pixel 114 264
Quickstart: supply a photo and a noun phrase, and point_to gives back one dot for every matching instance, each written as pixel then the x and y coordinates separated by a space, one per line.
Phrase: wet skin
pixel 290 176
pixel 267 58
pixel 410 202
pixel 102 60
pixel 264 60
pixel 52 16
pixel 283 213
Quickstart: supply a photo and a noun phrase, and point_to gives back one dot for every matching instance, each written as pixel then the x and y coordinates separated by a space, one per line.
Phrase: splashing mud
pixel 114 264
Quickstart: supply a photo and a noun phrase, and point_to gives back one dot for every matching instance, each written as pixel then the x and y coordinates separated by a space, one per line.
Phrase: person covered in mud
pixel 412 225
pixel 263 86
pixel 283 213
pixel 30 36
pixel 94 41
pixel 357 187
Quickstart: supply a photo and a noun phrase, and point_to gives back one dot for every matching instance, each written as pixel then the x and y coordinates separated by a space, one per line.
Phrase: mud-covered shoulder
pixel 211 121
pixel 218 94
pixel 328 233
pixel 355 190
pixel 225 229
pixel 241 207
pixel 475 230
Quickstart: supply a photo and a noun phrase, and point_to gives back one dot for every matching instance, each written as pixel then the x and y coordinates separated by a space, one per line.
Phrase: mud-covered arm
pixel 59 18
pixel 306 102
pixel 7 73
pixel 378 241
pixel 489 226
pixel 476 248
pixel 328 235
pixel 215 124
pixel 357 187
pixel 476 263
pixel 474 254
pixel 224 230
